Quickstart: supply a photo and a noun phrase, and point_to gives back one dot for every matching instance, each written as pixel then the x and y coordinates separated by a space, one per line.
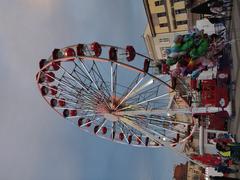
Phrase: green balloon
pixel 170 61
pixel 200 50
pixel 187 45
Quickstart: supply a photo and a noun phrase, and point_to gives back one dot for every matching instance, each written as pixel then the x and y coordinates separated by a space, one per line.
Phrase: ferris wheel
pixel 108 91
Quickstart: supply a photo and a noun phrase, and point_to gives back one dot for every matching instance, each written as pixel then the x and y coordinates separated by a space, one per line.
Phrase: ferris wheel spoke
pixel 160 119
pixel 86 78
pixel 127 128
pixel 125 136
pixel 143 86
pixel 102 124
pixel 131 84
pixel 96 71
pixel 115 73
pixel 153 131
pixel 61 91
pixel 159 112
pixel 73 78
pixel 145 101
pixel 144 95
pixel 131 131
pixel 89 122
pixel 82 115
pixel 88 74
pixel 140 129
pixel 69 101
pixel 81 85
pixel 97 88
pixel 129 93
pixel 112 84
pixel 66 94
pixel 80 73
pixel 59 81
pixel 166 129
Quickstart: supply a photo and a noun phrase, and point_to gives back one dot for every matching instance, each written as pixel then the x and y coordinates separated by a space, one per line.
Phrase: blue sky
pixel 35 142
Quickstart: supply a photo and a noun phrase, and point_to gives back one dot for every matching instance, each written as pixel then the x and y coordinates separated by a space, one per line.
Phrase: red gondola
pixel 113 53
pixel 69 52
pixel 80 50
pixel 73 112
pixel 53 90
pixel 44 90
pixel 96 129
pixel 57 54
pixel 96 47
pixel 88 123
pixel 41 78
pixel 53 102
pixel 49 76
pixel 104 130
pixel 80 122
pixel 146 141
pixel 139 140
pixel 131 53
pixel 66 113
pixel 113 134
pixel 121 136
pixel 146 65
pixel 61 102
pixel 42 63
pixel 56 65
pixel 129 139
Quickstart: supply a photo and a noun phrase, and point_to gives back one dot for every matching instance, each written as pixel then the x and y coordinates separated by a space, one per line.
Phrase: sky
pixel 35 142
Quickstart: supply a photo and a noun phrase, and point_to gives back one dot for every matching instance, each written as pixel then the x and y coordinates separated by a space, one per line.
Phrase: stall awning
pixel 202 8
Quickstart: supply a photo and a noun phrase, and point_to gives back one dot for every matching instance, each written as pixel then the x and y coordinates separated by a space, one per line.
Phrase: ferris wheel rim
pixel 97 59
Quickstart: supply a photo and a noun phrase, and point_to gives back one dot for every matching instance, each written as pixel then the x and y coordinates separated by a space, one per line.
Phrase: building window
pixel 163 25
pixel 180 11
pixel 162 14
pixel 159 2
pixel 181 22
pixel 164 40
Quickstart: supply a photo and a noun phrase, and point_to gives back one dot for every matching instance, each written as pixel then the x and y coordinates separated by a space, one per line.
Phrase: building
pixel 166 19
pixel 188 171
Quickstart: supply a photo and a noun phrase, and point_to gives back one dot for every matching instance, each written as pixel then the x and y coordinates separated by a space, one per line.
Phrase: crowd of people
pixel 194 52
pixel 220 7
pixel 220 164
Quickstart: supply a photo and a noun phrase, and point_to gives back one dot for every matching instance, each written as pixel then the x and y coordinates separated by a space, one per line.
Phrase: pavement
pixel 234 125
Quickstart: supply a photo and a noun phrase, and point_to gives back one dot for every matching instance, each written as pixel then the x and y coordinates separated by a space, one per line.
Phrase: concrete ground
pixel 234 125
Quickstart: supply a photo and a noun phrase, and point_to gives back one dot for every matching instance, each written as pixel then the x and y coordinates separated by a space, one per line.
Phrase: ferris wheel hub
pixel 110 117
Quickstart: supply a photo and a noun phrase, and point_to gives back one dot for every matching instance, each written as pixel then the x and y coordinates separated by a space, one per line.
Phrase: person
pixel 219 7
pixel 222 178
pixel 230 150
pixel 225 170
pixel 211 171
